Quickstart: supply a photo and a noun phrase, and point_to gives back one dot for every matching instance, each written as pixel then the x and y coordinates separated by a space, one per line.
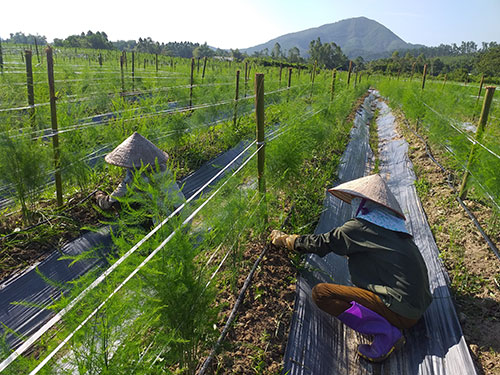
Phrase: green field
pixel 447 114
pixel 163 318
pixel 160 310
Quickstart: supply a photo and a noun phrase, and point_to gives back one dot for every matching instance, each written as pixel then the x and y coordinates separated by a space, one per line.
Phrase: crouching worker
pixel 134 153
pixel 391 289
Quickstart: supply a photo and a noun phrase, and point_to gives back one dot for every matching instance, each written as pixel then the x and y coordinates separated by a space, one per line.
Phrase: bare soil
pixel 473 268
pixel 22 246
pixel 257 341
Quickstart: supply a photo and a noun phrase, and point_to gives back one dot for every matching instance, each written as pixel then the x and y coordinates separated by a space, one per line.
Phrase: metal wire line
pixel 464 167
pixel 50 133
pixel 469 138
pixel 76 100
pixel 93 155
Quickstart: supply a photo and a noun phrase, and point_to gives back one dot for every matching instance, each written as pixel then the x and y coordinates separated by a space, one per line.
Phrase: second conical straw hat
pixel 371 187
pixel 134 151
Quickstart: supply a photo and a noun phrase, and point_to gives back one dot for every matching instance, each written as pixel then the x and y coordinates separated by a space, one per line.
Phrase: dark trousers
pixel 335 299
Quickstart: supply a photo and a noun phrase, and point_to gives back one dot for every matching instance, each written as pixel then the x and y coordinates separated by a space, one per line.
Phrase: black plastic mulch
pixel 318 343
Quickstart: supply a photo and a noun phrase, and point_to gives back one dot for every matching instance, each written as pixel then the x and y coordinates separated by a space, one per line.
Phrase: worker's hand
pixel 102 200
pixel 283 240
pixel 100 195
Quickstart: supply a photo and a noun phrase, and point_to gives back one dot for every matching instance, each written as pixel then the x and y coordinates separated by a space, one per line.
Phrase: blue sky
pixel 245 23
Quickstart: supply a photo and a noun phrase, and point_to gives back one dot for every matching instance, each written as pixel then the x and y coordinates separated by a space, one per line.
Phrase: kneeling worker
pixel 391 289
pixel 133 153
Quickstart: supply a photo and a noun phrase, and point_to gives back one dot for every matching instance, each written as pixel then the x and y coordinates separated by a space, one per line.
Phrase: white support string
pixel 469 138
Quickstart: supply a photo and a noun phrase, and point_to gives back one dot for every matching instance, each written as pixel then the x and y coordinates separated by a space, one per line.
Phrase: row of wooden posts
pixel 483 119
pixel 1 54
pixel 259 84
pixel 259 87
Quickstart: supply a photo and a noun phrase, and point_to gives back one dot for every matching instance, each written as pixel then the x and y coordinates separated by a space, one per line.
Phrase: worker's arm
pixel 121 189
pixel 321 244
pixel 337 241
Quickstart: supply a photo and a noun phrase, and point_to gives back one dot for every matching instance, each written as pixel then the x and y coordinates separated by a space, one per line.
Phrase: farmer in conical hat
pixel 391 289
pixel 134 153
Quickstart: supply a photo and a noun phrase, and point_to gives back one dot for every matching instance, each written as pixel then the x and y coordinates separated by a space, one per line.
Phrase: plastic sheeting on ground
pixel 320 344
pixel 32 288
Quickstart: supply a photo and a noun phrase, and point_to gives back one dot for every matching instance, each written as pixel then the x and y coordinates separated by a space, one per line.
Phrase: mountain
pixel 356 36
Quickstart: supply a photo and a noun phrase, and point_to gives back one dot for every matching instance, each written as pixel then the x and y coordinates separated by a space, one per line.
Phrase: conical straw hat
pixel 371 187
pixel 136 150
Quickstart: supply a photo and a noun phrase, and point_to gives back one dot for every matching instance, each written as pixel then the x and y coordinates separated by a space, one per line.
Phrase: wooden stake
pixel 55 136
pixel 29 86
pixel 281 69
pixel 122 74
pixel 156 62
pixel 289 77
pixel 204 66
pixel 480 88
pixel 488 98
pixel 37 53
pixel 246 78
pixel 349 73
pixel 412 70
pixel 313 76
pixel 236 97
pixel 100 60
pixel 334 75
pixel 191 83
pixel 133 70
pixel 259 117
pixel 423 76
pixel 1 56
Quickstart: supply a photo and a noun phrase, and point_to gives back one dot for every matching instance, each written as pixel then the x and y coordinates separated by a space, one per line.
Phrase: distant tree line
pixel 326 55
pixel 465 48
pixel 21 38
pixel 98 40
pixel 457 62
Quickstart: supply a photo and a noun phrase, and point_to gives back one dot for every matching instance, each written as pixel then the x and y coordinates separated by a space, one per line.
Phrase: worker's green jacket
pixel 383 261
